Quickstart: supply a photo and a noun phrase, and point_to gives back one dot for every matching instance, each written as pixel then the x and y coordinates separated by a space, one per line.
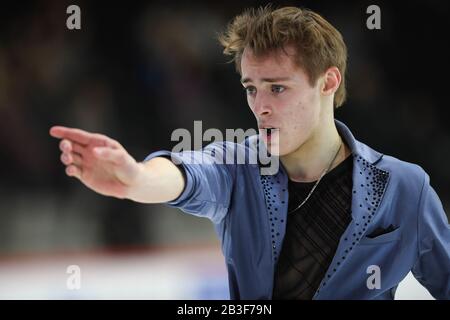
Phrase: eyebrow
pixel 245 80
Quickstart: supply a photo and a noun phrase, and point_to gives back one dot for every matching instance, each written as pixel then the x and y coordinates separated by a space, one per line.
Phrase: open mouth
pixel 268 132
pixel 268 129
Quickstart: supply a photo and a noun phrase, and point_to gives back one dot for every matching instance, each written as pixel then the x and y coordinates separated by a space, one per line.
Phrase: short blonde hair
pixel 318 44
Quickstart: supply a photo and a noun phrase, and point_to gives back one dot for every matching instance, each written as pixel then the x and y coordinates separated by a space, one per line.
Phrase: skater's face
pixel 281 97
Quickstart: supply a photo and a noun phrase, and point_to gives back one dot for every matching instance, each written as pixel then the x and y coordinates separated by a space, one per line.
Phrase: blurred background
pixel 138 70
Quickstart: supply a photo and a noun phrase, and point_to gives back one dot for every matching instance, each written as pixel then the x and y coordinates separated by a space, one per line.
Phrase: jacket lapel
pixel 369 185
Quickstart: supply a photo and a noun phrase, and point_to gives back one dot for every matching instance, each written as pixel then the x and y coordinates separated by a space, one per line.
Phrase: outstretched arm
pixel 103 165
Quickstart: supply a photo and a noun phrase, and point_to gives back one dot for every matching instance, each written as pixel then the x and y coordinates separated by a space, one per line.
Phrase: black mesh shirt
pixel 313 232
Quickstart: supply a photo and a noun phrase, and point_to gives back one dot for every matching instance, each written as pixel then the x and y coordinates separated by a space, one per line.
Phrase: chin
pixel 285 150
pixel 276 149
pixel 279 152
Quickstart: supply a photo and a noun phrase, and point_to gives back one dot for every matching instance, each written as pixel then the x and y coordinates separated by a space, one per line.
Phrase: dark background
pixel 138 70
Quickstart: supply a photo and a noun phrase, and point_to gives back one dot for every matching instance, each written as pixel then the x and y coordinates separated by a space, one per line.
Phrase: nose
pixel 261 106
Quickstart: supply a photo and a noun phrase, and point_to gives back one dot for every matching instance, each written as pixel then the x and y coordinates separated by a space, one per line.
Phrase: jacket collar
pixel 357 148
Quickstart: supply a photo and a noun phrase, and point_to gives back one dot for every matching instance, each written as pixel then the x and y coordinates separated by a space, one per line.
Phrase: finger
pixel 82 137
pixel 77 135
pixel 70 146
pixel 71 158
pixel 116 156
pixel 65 145
pixel 74 171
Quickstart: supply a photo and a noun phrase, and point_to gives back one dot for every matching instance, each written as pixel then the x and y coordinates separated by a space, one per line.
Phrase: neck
pixel 309 161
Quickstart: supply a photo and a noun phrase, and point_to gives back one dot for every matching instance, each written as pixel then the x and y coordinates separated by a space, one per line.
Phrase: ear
pixel 331 81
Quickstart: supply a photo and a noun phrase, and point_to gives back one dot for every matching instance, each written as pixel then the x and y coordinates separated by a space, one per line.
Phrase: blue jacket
pixel 249 212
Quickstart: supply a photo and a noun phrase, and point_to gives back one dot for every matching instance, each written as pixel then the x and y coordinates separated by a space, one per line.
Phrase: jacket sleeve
pixel 432 268
pixel 208 181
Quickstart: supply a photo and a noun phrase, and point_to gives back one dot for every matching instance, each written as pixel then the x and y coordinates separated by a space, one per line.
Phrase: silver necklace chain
pixel 320 178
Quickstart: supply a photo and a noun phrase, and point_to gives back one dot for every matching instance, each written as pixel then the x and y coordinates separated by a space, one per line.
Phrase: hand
pixel 98 161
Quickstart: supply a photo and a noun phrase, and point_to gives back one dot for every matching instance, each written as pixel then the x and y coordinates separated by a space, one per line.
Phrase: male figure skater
pixel 337 220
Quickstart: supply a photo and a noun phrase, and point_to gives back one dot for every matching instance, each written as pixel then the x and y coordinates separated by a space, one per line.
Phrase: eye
pixel 277 88
pixel 250 90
